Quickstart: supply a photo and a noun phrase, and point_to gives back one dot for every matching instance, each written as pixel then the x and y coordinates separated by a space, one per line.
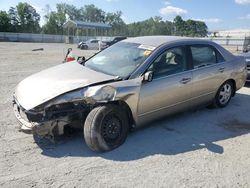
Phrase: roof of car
pixel 156 41
pixel 159 40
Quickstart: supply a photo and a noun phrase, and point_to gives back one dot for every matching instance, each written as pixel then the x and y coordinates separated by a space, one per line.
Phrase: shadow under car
pixel 184 132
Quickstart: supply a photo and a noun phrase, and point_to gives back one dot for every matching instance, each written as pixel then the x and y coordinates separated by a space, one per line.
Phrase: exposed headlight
pixel 73 96
pixel 91 94
pixel 101 94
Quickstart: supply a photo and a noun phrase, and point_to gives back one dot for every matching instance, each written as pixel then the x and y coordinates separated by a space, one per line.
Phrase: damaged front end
pixel 69 109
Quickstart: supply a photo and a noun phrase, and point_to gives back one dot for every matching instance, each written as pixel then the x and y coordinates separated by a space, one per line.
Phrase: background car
pixel 247 59
pixel 89 44
pixel 113 41
pixel 246 49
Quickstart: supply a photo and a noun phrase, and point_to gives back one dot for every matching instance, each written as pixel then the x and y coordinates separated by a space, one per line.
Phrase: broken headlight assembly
pixel 101 94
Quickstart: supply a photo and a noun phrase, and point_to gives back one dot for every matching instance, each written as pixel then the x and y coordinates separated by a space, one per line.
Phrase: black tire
pixel 84 47
pixel 106 127
pixel 224 95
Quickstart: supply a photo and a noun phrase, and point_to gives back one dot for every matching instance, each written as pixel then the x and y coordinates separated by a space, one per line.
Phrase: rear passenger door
pixel 209 71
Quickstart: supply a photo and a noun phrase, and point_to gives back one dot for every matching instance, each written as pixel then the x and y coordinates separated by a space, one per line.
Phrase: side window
pixel 220 58
pixel 204 55
pixel 170 62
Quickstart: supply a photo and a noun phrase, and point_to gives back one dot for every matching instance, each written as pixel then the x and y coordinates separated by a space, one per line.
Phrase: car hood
pixel 50 83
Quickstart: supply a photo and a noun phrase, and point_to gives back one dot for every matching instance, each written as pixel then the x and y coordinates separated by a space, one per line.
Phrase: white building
pixel 233 40
pixel 233 33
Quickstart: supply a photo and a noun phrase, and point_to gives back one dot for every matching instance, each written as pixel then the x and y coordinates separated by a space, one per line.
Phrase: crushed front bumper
pixel 25 125
pixel 43 128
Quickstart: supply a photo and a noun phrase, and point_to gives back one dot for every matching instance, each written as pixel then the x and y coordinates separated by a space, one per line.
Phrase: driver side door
pixel 171 87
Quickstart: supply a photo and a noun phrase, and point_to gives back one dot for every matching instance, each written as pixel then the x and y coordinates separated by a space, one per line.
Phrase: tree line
pixel 25 18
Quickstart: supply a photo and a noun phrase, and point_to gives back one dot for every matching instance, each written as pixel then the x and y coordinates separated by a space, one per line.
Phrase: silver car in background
pixel 126 85
pixel 90 44
pixel 247 59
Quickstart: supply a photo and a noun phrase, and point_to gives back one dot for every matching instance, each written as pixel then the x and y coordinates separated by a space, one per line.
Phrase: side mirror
pixel 148 76
pixel 81 60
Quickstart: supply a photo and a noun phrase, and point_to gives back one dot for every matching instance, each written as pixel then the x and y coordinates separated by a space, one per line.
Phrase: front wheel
pixel 224 94
pixel 106 127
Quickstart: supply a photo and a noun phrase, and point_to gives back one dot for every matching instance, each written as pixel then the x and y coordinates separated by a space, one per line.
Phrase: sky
pixel 217 14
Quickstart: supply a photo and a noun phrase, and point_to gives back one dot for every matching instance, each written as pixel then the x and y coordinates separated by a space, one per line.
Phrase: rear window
pixel 94 41
pixel 205 55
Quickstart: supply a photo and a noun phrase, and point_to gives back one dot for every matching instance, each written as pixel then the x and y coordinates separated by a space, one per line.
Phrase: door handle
pixel 222 69
pixel 185 80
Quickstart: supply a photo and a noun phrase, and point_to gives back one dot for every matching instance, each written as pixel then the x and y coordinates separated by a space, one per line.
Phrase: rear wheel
pixel 84 47
pixel 106 127
pixel 224 94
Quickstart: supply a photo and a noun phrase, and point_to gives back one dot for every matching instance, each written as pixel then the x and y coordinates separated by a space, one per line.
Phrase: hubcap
pixel 225 94
pixel 111 128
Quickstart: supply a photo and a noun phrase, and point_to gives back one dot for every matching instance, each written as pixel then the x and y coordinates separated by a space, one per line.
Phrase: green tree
pixel 118 25
pixel 52 25
pixel 5 24
pixel 28 18
pixel 55 20
pixel 13 19
pixel 70 10
pixel 179 26
pixel 202 29
pixel 24 18
pixel 169 27
pixel 91 13
pixel 151 26
pixel 195 28
pixel 60 15
pixel 190 27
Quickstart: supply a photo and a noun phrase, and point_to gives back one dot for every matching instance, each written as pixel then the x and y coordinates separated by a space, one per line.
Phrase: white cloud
pixel 242 2
pixel 247 17
pixel 167 3
pixel 171 10
pixel 209 20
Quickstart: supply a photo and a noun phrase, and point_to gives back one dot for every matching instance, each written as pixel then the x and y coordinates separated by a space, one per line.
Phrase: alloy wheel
pixel 225 93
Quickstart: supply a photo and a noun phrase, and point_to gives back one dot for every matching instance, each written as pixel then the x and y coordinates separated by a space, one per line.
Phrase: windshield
pixel 121 59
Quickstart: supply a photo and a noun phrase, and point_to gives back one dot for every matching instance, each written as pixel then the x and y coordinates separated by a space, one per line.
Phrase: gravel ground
pixel 200 148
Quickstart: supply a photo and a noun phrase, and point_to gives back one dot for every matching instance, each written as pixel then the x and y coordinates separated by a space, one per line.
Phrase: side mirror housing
pixel 148 76
pixel 81 60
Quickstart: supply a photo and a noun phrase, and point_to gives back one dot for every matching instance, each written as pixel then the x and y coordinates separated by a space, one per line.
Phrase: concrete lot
pixel 200 148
